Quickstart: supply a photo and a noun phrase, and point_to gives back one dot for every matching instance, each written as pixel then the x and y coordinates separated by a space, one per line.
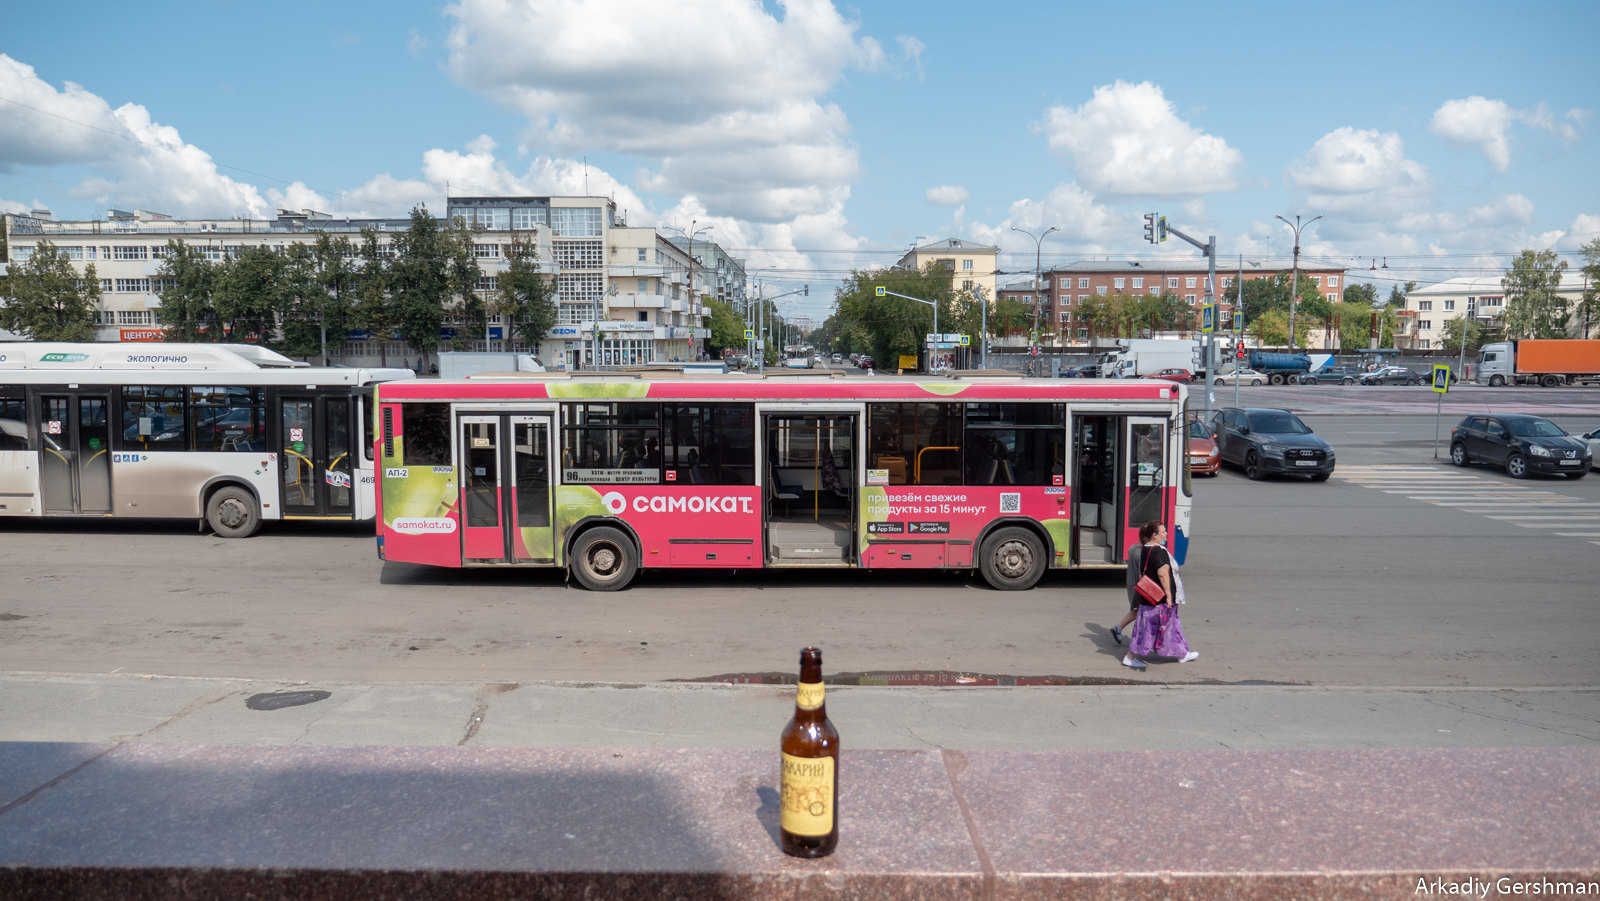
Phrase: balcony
pixel 637 302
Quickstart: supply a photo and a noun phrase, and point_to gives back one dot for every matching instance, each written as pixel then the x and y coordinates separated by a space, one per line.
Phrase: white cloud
pixel 1584 228
pixel 1363 175
pixel 720 99
pixel 143 163
pixel 1128 139
pixel 948 195
pixel 1081 223
pixel 1486 124
pixel 911 49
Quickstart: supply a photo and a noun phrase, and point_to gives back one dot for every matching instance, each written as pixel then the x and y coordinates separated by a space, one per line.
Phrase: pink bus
pixel 608 474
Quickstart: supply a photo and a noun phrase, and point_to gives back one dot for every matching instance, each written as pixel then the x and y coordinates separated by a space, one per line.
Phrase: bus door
pixel 74 453
pixel 316 463
pixel 1146 470
pixel 504 460
pixel 811 476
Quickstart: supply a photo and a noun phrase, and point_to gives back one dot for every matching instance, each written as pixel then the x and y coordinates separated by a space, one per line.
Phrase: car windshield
pixel 1278 424
pixel 1534 428
pixel 1197 429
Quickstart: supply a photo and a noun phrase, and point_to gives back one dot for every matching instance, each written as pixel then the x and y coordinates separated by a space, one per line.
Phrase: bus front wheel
pixel 604 560
pixel 1013 559
pixel 232 513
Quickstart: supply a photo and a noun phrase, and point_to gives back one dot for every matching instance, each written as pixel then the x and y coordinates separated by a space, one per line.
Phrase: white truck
pixel 1137 357
pixel 460 364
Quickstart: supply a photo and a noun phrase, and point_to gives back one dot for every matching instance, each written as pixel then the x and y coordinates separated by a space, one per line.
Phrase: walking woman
pixel 1157 631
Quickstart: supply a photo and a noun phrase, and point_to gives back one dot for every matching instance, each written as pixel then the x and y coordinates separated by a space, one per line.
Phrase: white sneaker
pixel 1189 656
pixel 1127 660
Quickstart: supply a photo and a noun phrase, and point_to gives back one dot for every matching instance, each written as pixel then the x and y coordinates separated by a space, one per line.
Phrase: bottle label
pixel 807 795
pixel 809 696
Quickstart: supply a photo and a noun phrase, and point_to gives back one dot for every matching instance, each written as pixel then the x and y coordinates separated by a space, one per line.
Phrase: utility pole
pixel 1156 230
pixel 1294 280
pixel 1038 289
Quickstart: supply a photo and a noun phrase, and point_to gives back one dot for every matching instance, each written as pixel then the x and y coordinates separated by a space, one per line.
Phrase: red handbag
pixel 1149 588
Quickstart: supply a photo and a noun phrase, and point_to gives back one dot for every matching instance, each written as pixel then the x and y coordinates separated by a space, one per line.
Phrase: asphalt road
pixel 1354 582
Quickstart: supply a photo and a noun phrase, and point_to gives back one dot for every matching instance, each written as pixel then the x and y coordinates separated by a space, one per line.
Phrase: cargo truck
pixel 1136 357
pixel 1539 361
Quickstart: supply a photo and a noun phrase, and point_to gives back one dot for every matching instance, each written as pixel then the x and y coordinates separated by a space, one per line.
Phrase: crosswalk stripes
pixel 1523 506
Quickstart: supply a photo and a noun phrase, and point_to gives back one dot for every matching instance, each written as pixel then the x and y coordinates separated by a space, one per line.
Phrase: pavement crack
pixel 480 708
pixel 192 707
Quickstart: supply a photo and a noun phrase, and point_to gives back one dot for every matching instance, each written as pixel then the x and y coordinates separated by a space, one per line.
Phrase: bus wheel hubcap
pixel 233 513
pixel 603 560
pixel 1013 560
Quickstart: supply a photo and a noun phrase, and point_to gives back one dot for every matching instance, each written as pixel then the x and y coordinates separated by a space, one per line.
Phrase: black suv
pixel 1521 443
pixel 1263 442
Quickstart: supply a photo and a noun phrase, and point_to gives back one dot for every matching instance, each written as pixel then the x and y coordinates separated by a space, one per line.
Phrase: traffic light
pixel 1150 227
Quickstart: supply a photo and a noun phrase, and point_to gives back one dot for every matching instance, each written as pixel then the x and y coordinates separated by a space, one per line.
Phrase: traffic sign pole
pixel 1441 385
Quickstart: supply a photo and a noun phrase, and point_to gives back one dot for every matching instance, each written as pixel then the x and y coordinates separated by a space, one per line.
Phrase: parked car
pixel 1392 375
pixel 1203 455
pixel 865 361
pixel 1520 443
pixel 1173 375
pixel 1068 372
pixel 1241 376
pixel 1343 375
pixel 1594 448
pixel 1264 442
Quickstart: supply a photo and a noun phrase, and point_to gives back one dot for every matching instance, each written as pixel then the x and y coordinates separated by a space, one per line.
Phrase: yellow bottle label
pixel 807 795
pixel 809 697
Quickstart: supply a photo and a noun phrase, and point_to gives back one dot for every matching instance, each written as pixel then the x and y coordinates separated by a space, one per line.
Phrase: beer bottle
pixel 808 822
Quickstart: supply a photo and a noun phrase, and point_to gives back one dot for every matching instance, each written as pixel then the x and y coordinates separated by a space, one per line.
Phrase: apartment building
pixel 971 266
pixel 597 319
pixel 1067 287
pixel 1422 322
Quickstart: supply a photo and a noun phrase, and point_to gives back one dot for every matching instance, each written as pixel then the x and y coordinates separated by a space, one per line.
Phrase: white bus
pixel 231 433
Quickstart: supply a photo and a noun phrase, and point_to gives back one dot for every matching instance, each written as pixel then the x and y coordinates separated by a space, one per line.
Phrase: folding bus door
pixel 75 453
pixel 317 459
pixel 505 487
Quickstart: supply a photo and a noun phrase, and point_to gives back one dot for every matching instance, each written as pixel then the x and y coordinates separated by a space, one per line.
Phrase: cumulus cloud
pixel 141 162
pixel 1128 139
pixel 1486 124
pixel 718 97
pixel 1360 173
pixel 948 195
pixel 1082 222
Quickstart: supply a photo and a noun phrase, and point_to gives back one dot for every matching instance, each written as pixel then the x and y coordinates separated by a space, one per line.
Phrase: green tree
pixel 1272 293
pixel 248 296
pixel 1535 307
pixel 188 310
pixel 372 310
pixel 468 309
pixel 727 329
pixel 47 300
pixel 1477 335
pixel 1361 293
pixel 418 279
pixel 1397 297
pixel 892 326
pixel 321 287
pixel 527 296
pixel 1589 306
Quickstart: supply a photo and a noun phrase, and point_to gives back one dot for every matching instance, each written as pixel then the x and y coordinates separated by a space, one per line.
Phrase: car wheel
pixel 1252 467
pixel 1320 476
pixel 1347 382
pixel 1013 559
pixel 1458 454
pixel 603 559
pixel 1308 380
pixel 1414 382
pixel 1496 381
pixel 1255 381
pixel 232 513
pixel 1516 467
pixel 1217 382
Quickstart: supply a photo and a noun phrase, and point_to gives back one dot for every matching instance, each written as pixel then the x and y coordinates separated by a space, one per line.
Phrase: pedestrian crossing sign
pixel 1208 318
pixel 749 333
pixel 1441 379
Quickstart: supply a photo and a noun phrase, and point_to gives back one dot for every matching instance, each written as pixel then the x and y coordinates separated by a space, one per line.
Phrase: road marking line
pixel 1579 534
pixel 1526 517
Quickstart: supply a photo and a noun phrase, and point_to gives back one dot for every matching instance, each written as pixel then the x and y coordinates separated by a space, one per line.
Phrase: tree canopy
pixel 47 301
pixel 1535 307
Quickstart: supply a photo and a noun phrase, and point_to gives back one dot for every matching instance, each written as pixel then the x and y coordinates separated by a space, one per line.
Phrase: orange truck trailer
pixel 1546 362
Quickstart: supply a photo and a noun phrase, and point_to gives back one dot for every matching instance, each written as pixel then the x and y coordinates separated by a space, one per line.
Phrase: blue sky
pixel 816 138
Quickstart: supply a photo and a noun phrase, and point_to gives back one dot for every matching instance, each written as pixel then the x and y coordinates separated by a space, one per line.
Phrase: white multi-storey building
pixel 579 242
pixel 1484 297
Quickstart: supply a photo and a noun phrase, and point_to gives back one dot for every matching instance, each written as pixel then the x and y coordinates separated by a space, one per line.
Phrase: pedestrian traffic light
pixel 1150 227
pixel 1240 353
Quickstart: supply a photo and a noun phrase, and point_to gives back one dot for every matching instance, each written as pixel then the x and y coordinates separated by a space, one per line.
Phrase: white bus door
pixel 1146 472
pixel 317 461
pixel 75 453
pixel 505 488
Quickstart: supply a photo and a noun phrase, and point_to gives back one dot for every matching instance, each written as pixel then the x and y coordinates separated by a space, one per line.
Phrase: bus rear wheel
pixel 1012 559
pixel 603 559
pixel 232 513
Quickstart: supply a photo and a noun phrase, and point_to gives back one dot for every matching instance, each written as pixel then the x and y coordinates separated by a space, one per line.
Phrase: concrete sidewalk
pixel 119 708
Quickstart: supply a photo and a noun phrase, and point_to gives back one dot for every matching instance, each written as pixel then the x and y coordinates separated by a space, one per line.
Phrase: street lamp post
pixel 1294 280
pixel 1038 297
